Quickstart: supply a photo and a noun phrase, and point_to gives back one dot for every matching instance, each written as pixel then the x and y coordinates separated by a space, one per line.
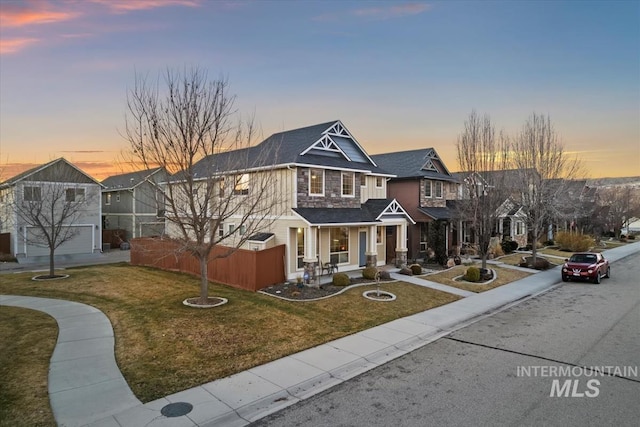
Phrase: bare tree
pixel 49 208
pixel 481 158
pixel 187 124
pixel 545 169
pixel 623 204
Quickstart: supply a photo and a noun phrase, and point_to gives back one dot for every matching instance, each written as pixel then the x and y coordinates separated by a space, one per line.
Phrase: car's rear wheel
pixel 596 279
pixel 608 274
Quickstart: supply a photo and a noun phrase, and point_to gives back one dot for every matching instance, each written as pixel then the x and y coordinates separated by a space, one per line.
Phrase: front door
pixel 391 244
pixel 363 249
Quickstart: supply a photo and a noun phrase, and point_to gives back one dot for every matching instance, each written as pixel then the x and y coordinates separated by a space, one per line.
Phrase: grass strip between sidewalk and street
pixel 163 347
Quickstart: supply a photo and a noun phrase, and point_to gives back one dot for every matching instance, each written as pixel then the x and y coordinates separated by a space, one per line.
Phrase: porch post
pixel 401 245
pixel 371 251
pixel 310 257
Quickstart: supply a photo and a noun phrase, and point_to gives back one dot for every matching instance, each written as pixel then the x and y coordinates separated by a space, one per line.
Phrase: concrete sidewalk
pixel 86 387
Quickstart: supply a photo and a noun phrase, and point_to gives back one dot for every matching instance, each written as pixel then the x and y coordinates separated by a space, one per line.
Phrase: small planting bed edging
pixel 377 295
pixel 213 302
pixel 46 277
pixel 494 276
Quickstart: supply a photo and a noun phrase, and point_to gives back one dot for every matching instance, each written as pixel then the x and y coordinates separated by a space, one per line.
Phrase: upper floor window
pixel 348 179
pixel 378 182
pixel 427 189
pixel 107 199
pixel 32 194
pixel 316 182
pixel 438 189
pixel 118 197
pixel 363 180
pixel 242 185
pixel 74 195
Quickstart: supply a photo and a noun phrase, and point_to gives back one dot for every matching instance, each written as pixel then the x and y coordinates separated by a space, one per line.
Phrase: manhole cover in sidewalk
pixel 177 409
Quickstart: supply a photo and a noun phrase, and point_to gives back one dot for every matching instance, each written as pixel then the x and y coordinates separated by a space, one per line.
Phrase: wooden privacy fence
pixel 244 269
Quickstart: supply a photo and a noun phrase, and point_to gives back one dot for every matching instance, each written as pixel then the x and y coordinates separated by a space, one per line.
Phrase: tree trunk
pixel 534 245
pixel 51 266
pixel 204 280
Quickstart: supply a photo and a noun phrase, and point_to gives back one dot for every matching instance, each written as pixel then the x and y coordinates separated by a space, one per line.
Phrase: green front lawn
pixel 163 346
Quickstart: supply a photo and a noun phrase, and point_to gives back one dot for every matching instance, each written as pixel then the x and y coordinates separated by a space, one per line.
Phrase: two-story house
pixel 133 202
pixel 425 188
pixel 336 208
pixel 47 196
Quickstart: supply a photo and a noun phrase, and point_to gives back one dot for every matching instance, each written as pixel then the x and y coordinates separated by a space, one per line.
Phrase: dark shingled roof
pixel 129 180
pixel 408 164
pixel 280 149
pixel 261 237
pixel 367 213
pixel 439 213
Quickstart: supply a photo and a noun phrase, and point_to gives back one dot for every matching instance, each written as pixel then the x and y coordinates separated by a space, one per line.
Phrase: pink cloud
pixel 123 6
pixel 15 45
pixel 30 13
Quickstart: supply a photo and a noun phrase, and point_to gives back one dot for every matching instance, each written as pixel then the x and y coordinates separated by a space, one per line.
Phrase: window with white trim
pixel 243 229
pixel 520 228
pixel 316 182
pixel 300 248
pixel 348 184
pixel 378 182
pixel 118 197
pixel 438 189
pixel 221 230
pixel 379 231
pixel 107 199
pixel 363 180
pixel 427 189
pixel 242 185
pixel 32 194
pixel 74 195
pixel 339 245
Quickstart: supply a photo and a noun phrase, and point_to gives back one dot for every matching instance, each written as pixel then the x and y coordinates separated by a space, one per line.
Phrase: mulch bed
pixel 292 291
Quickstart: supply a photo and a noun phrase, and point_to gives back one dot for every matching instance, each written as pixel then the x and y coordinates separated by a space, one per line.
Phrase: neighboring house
pixel 574 207
pixel 511 217
pixel 336 208
pixel 424 187
pixel 133 202
pixel 78 192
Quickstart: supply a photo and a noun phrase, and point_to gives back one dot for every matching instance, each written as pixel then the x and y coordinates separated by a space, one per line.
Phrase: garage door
pixel 81 243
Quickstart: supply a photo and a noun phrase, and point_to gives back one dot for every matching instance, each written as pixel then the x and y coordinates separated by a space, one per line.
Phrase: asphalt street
pixel 500 370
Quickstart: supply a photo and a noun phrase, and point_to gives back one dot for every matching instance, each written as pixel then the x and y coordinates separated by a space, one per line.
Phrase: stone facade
pixel 332 191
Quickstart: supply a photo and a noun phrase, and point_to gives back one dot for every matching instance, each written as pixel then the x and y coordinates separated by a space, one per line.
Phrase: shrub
pixel 632 237
pixel 416 269
pixel 341 279
pixel 496 251
pixel 472 274
pixel 574 242
pixel 385 275
pixel 541 263
pixel 369 273
pixel 509 246
pixel 406 271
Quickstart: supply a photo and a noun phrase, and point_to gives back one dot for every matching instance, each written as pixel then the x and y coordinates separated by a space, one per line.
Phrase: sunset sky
pixel 400 75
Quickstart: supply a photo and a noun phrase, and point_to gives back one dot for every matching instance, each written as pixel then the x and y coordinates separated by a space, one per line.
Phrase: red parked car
pixel 586 266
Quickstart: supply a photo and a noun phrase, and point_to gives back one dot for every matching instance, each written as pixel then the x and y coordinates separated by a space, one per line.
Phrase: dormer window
pixel 348 184
pixel 316 182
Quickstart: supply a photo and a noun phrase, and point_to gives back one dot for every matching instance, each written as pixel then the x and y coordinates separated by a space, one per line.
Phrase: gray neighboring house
pixel 34 185
pixel 133 202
